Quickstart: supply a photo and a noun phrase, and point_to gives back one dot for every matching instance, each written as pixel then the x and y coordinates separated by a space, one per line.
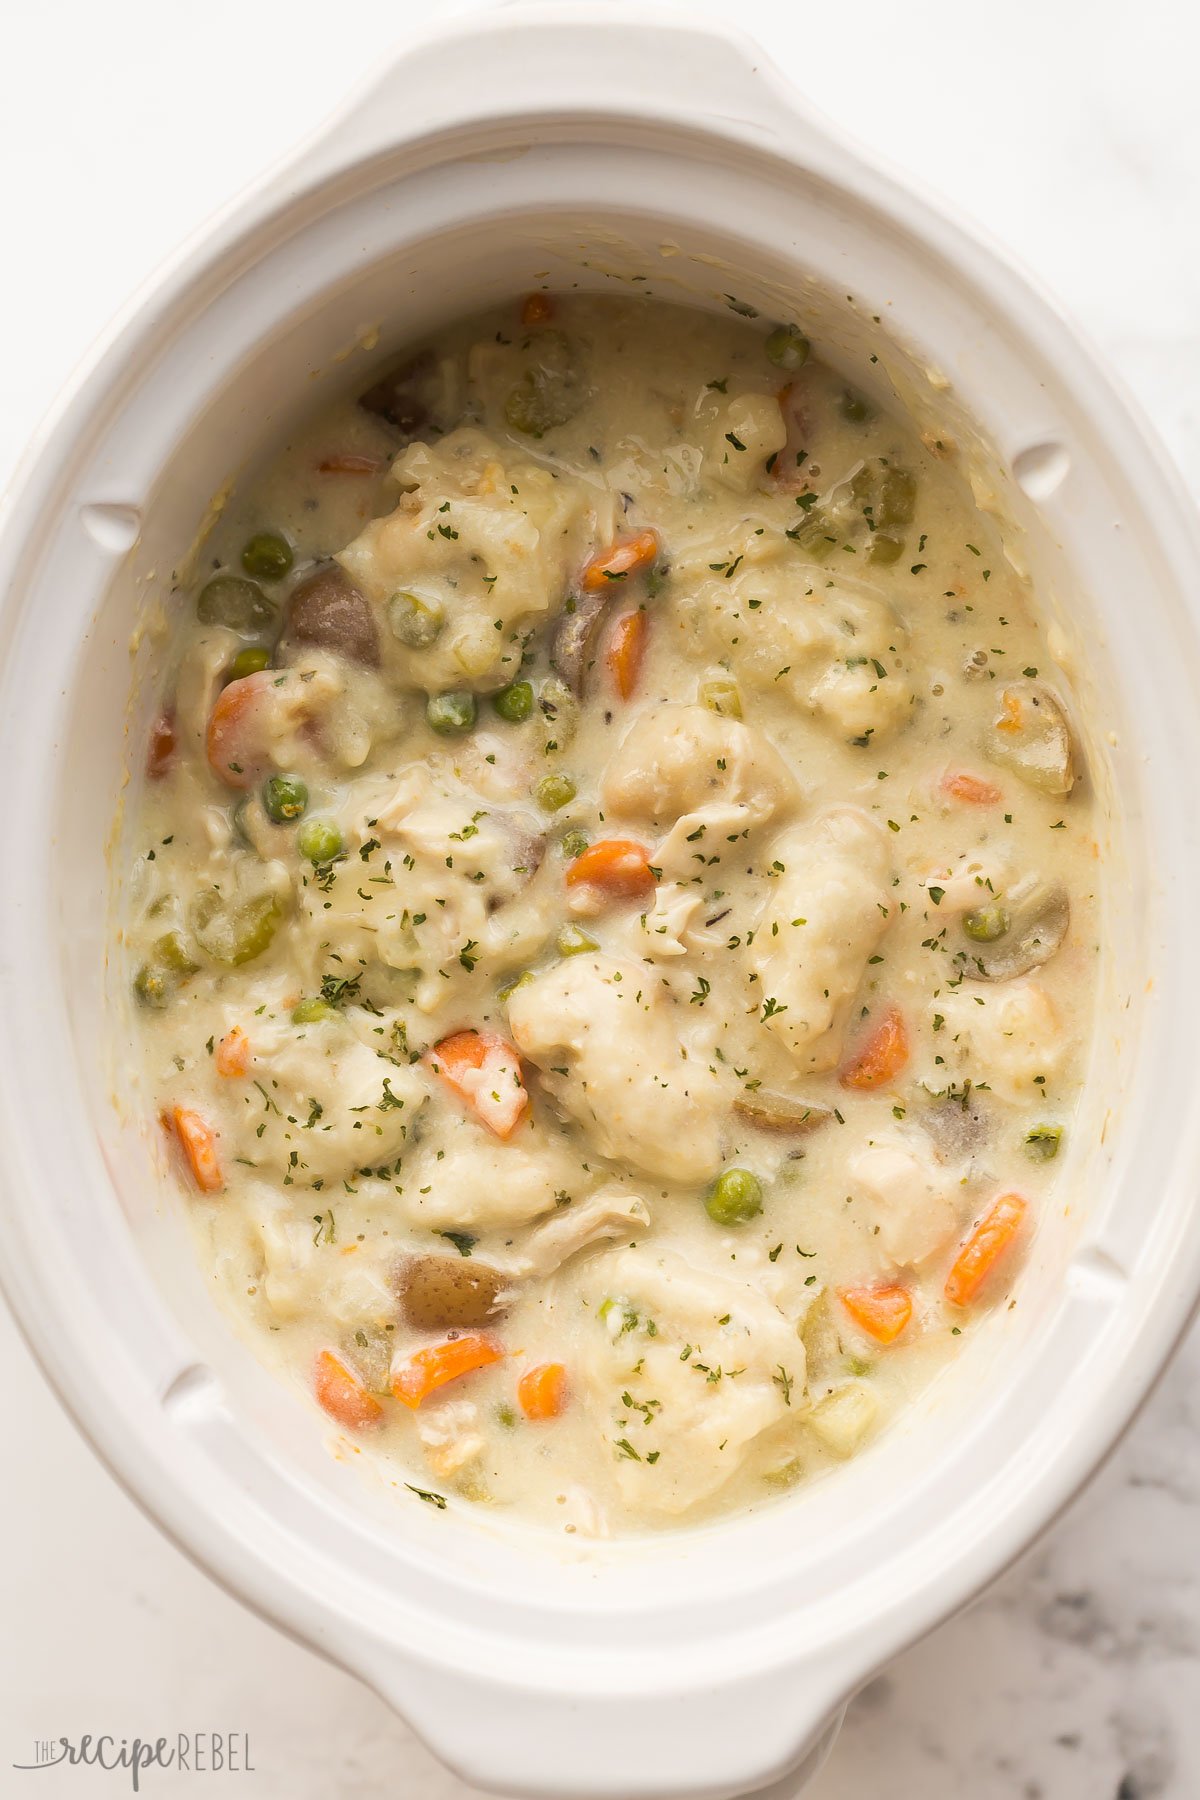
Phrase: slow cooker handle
pixel 519 62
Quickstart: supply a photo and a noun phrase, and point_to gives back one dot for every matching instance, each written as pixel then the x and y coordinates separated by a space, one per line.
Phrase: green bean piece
pixel 514 703
pixel 450 714
pixel 721 696
pixel 814 534
pixel 249 661
pixel 312 1011
pixel 170 952
pixel 1041 1144
pixel 885 550
pixel 787 347
pixel 986 923
pixel 553 792
pixel 510 987
pixel 319 840
pixel 267 556
pixel 855 407
pixel 233 932
pixel 573 844
pixel 239 605
pixel 560 709
pixel 416 619
pixel 574 942
pixel 734 1197
pixel 897 498
pixel 284 798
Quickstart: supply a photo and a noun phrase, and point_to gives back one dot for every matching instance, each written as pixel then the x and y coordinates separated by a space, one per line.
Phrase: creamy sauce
pixel 616 952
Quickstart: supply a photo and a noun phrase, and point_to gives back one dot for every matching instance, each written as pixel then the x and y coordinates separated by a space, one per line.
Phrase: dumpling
pixel 470 1180
pixel 681 758
pixel 1007 1036
pixel 682 1369
pixel 622 1057
pixel 910 1199
pixel 826 913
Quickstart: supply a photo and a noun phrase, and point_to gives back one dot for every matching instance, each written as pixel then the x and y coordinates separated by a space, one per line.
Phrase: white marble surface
pixel 1074 133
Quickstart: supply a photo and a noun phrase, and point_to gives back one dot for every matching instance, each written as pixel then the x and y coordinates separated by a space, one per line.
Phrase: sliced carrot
pixel 536 309
pixel 161 750
pixel 230 727
pixel 971 789
pixel 881 1057
pixel 616 865
pixel 882 1312
pixel 347 462
pixel 989 1239
pixel 625 557
pixel 198 1141
pixel 429 1369
pixel 233 1053
pixel 484 1070
pixel 542 1392
pixel 626 651
pixel 340 1391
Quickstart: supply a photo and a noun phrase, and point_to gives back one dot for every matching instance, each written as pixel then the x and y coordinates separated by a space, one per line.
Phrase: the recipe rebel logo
pixel 195 1753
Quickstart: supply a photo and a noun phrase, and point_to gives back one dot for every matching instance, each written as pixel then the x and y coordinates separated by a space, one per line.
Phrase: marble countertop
pixel 1075 137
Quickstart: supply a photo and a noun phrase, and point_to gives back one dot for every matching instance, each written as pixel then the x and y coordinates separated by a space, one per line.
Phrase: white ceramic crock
pixel 587 145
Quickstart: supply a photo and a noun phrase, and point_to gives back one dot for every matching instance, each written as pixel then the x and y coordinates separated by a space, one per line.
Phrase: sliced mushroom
pixel 609 1213
pixel 1030 735
pixel 1038 915
pixel 441 1293
pixel 777 1112
pixel 398 397
pixel 327 611
pixel 573 638
pixel 956 1122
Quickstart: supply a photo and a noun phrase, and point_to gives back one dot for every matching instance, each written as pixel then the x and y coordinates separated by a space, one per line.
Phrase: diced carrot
pixel 882 1312
pixel 881 1057
pixel 542 1391
pixel 988 1241
pixel 161 750
pixel 348 462
pixel 429 1369
pixel 626 651
pixel 485 1071
pixel 340 1391
pixel 616 865
pixel 536 309
pixel 229 729
pixel 233 1053
pixel 625 557
pixel 198 1141
pixel 970 788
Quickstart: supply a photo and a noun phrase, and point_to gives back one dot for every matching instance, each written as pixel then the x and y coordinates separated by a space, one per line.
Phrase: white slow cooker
pixel 585 146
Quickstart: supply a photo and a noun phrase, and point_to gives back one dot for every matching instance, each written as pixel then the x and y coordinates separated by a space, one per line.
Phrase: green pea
pixel 249 661
pixel 986 923
pixel 855 407
pixel 722 696
pixel 514 703
pixel 267 556
pixel 574 942
pixel 897 497
pixel 319 840
pixel 734 1197
pixel 284 798
pixel 450 714
pixel 416 621
pixel 1041 1144
pixel 312 1011
pixel 230 601
pixel 787 347
pixel 573 844
pixel 885 550
pixel 233 932
pixel 152 986
pixel 553 792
